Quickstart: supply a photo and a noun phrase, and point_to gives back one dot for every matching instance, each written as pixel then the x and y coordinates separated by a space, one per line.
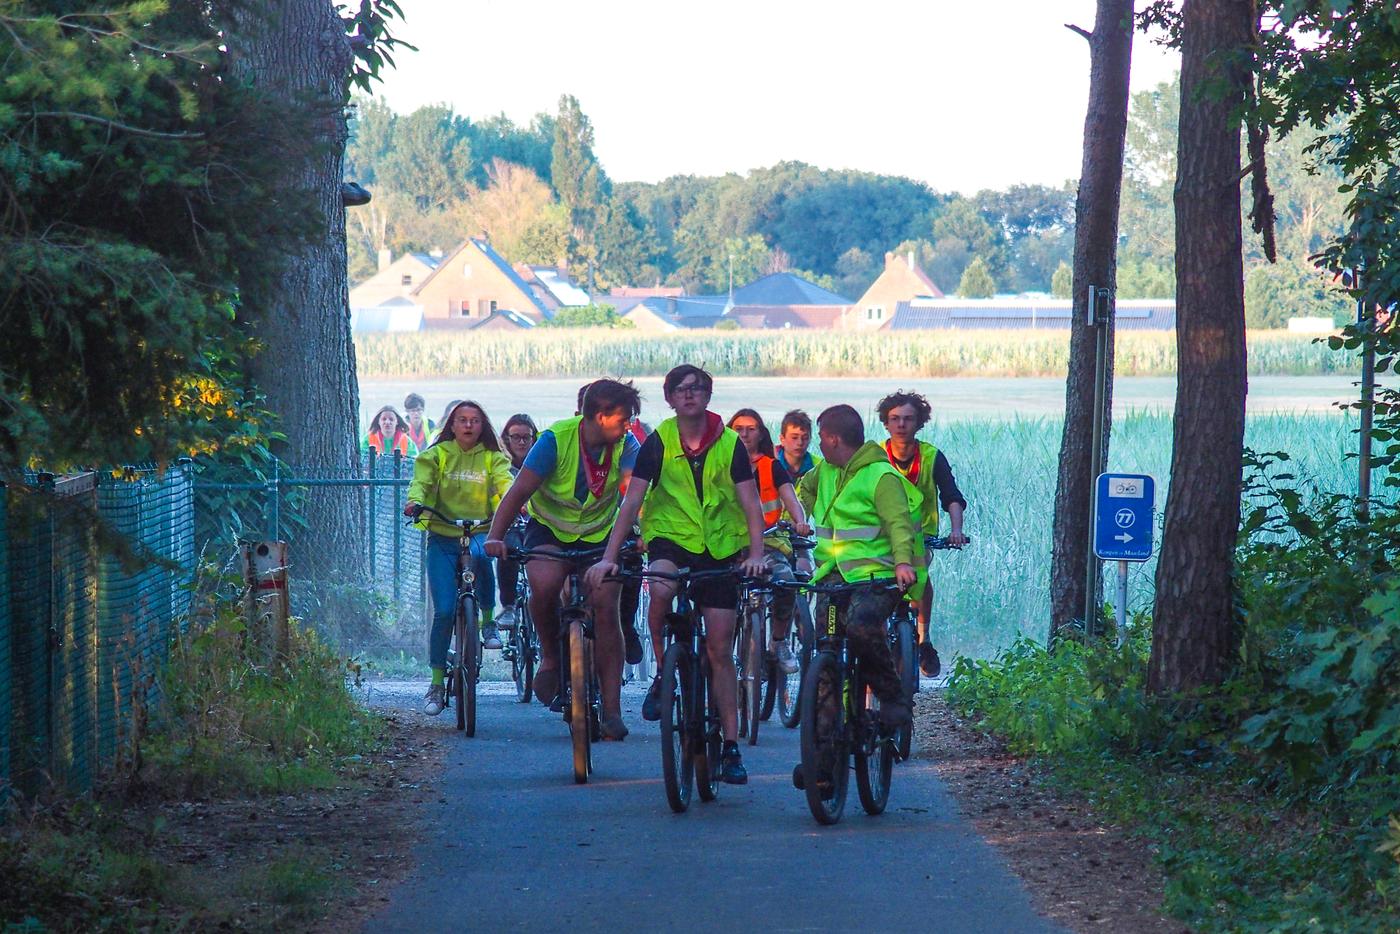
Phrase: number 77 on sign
pixel 1123 513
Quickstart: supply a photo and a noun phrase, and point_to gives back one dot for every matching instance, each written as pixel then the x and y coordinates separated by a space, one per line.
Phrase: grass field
pixel 999 585
pixel 817 353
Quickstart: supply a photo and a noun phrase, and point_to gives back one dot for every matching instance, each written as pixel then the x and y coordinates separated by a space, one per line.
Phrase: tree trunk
pixel 1193 633
pixel 295 53
pixel 1095 263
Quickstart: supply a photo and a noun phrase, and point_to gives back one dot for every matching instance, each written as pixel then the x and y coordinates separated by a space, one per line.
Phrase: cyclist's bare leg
pixel 662 592
pixel 607 639
pixel 719 645
pixel 547 579
pixel 922 611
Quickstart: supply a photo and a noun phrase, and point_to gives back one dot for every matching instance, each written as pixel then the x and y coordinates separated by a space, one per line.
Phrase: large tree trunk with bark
pixel 296 54
pixel 1193 633
pixel 1095 263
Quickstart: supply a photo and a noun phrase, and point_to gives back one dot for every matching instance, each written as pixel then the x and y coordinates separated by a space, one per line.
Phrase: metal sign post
pixel 1097 318
pixel 1124 505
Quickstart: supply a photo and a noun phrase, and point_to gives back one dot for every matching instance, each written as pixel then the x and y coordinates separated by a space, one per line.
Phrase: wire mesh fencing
pixel 96 570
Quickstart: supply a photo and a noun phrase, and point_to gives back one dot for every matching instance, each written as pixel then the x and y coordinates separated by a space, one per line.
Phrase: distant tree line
pixel 540 194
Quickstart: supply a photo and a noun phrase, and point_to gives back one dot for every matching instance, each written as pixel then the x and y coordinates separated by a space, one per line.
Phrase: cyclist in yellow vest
pixel 570 480
pixel 702 513
pixel 866 518
pixel 904 414
pixel 462 474
pixel 776 496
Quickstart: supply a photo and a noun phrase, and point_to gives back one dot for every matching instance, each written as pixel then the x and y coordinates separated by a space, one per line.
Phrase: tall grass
pixel 998 587
pixel 591 352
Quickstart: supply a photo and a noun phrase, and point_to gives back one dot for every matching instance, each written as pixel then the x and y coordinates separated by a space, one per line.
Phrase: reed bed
pixel 998 586
pixel 588 352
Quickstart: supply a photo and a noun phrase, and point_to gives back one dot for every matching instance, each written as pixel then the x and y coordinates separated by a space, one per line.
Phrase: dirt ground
pixel 358 835
pixel 1085 875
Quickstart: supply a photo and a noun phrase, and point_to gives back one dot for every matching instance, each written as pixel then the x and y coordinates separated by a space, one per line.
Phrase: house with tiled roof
pixel 788 317
pixel 471 284
pixel 1016 313
pixel 623 299
pixel 785 288
pixel 553 286
pixel 395 278
pixel 901 281
pixel 677 313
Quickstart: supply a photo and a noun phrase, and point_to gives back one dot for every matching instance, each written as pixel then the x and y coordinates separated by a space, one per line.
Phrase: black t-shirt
pixel 649 459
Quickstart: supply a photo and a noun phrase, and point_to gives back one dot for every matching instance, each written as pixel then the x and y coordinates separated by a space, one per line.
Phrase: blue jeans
pixel 442 584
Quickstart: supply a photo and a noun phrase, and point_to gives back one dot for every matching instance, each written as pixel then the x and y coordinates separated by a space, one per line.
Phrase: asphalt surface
pixel 511 843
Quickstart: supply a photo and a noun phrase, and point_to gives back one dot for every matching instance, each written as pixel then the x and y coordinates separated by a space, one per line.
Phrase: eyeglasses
pixel 514 437
pixel 690 389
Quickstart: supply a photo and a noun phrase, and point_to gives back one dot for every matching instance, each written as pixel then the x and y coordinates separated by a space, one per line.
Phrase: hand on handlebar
pixel 495 547
pixel 905 576
pixel 957 539
pixel 412 509
pixel 753 567
pixel 599 572
pixel 802 528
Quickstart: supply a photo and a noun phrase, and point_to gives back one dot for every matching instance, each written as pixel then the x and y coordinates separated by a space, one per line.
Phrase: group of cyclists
pixel 702 492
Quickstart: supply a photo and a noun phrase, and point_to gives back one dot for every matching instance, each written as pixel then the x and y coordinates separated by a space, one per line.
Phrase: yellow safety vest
pixel 673 511
pixel 554 503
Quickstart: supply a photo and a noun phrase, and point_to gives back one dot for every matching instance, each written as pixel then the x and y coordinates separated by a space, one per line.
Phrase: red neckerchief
pixel 714 427
pixel 912 474
pixel 595 474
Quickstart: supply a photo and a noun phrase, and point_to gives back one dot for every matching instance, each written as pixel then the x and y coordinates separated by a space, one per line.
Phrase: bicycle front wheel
pixel 906 660
pixel 825 751
pixel 522 650
pixel 580 727
pixel 471 672
pixel 705 732
pixel 789 687
pixel 754 669
pixel 874 751
pixel 677 756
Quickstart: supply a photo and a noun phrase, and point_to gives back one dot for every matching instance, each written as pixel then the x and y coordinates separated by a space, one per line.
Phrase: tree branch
pixel 1088 36
pixel 117 125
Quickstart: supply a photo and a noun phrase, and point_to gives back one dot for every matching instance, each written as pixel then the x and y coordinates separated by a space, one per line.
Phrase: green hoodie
pixel 457 483
pixel 891 502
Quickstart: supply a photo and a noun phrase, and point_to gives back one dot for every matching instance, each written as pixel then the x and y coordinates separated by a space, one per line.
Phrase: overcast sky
pixel 963 96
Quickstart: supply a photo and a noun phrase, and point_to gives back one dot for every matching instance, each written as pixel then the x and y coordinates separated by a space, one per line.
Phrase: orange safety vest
pixel 769 500
pixel 401 439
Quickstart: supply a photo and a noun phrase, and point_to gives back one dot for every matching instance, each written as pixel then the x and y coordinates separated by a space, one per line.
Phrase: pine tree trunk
pixel 296 52
pixel 1193 635
pixel 1095 263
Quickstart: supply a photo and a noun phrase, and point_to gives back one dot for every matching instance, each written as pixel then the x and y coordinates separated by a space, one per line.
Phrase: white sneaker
pixel 506 621
pixel 787 662
pixel 434 700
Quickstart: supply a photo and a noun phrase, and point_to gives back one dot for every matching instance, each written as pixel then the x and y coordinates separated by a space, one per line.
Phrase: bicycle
pixel 691 733
pixel 782 689
pixel 580 696
pixel 464 657
pixel 840 720
pixel 522 649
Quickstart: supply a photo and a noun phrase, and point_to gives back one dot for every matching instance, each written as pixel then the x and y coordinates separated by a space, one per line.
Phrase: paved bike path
pixel 511 843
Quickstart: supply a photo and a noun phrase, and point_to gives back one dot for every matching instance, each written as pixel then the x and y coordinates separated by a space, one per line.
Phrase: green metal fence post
pixel 373 518
pixel 398 526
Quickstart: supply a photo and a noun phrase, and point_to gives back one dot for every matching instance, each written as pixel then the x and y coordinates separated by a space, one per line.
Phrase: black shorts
pixel 716 593
pixel 539 535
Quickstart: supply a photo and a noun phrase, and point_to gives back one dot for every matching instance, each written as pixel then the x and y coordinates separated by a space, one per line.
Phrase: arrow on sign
pixel 1125 537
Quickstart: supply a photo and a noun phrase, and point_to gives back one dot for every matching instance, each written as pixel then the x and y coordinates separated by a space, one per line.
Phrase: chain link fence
pixel 83 628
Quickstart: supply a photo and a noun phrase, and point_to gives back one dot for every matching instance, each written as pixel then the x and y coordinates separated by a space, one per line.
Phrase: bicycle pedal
pixel 557 706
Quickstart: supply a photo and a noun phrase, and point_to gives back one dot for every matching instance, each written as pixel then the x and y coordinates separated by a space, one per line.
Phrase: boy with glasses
pixel 702 513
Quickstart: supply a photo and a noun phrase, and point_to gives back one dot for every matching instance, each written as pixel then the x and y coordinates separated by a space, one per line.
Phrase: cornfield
pixel 588 353
pixel 998 586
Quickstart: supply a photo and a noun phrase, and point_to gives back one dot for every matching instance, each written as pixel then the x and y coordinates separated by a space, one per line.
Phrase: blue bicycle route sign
pixel 1123 507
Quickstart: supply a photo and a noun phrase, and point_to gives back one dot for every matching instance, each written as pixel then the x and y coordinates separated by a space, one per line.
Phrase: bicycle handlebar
pixel 941 543
pixel 466 525
pixel 795 541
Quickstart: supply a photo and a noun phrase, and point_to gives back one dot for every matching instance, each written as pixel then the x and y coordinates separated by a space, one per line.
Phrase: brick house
pixel 471 284
pixel 901 281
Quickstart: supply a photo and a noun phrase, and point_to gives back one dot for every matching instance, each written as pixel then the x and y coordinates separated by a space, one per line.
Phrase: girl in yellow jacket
pixel 462 474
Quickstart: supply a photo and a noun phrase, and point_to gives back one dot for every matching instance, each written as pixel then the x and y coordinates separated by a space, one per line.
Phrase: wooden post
pixel 265 570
